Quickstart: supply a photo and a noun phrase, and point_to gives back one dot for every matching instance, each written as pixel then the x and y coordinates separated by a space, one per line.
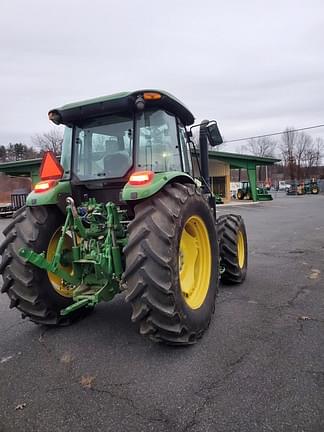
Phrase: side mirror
pixel 214 136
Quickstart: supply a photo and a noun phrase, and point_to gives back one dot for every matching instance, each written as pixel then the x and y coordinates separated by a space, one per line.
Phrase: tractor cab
pixel 109 138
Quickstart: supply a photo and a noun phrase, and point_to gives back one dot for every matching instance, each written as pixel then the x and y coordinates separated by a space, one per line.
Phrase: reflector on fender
pixel 44 186
pixel 141 178
pixel 152 96
pixel 50 168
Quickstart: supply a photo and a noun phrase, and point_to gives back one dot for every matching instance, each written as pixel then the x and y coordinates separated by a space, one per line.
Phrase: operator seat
pixel 117 164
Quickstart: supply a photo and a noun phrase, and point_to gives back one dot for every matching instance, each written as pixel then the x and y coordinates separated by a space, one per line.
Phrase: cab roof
pixel 78 112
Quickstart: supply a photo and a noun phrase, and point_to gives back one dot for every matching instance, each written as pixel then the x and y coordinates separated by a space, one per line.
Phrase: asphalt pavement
pixel 259 367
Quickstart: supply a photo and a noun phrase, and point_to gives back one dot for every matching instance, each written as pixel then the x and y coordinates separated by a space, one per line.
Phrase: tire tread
pixel 147 287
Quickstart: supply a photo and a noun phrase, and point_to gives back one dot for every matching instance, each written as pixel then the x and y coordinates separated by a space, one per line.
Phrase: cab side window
pixel 158 142
pixel 185 150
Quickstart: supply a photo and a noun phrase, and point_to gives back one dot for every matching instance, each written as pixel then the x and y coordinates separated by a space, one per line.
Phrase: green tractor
pixel 244 192
pixel 124 212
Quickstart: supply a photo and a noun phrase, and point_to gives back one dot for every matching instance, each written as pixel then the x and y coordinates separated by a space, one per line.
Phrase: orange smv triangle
pixel 50 168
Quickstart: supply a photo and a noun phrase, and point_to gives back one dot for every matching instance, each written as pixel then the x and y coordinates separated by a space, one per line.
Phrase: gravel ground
pixel 258 368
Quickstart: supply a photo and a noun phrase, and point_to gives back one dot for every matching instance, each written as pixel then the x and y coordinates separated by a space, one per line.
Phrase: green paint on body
pixel 113 97
pixel 253 184
pixel 92 101
pixel 95 256
pixel 49 197
pixel 133 193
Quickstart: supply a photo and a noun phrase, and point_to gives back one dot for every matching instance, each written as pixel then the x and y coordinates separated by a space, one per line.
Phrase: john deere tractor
pixel 128 209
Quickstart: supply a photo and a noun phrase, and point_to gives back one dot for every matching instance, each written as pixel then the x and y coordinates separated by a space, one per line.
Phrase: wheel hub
pixel 58 284
pixel 194 262
pixel 240 249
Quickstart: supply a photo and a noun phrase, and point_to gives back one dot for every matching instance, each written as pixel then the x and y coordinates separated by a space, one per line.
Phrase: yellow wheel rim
pixel 55 280
pixel 240 249
pixel 194 262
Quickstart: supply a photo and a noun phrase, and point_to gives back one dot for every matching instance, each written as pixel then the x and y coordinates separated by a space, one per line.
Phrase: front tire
pixel 240 194
pixel 233 248
pixel 172 240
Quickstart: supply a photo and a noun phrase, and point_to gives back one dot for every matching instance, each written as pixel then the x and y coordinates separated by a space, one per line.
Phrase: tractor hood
pixel 76 113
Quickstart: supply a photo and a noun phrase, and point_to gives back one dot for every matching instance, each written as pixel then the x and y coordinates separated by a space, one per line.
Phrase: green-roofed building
pixel 220 166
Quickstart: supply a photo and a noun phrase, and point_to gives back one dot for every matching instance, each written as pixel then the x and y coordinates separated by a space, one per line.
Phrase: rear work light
pixel 45 185
pixel 141 178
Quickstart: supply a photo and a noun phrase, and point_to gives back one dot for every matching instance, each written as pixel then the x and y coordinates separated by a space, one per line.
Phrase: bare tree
pixel 302 143
pixel 287 147
pixel 301 153
pixel 319 150
pixel 313 155
pixel 263 147
pixel 51 140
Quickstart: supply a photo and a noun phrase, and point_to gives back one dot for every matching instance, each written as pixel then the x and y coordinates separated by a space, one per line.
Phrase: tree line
pixel 51 140
pixel 301 155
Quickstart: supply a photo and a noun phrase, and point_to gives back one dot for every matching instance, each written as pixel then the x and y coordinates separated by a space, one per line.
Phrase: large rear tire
pixel 29 287
pixel 233 248
pixel 172 265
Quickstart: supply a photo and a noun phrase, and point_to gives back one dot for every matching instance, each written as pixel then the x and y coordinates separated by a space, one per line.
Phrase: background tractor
pixel 244 192
pixel 127 209
pixel 303 187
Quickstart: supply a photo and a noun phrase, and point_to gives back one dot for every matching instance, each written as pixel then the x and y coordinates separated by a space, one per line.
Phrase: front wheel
pixel 233 248
pixel 172 265
pixel 240 194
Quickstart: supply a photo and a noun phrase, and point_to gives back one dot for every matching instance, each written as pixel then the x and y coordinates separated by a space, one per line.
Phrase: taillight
pixel 141 178
pixel 45 185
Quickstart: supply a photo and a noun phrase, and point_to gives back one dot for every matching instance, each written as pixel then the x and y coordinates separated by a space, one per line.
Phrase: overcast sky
pixel 254 66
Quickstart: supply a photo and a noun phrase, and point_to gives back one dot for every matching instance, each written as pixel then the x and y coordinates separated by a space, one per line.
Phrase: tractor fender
pixel 159 181
pixel 54 196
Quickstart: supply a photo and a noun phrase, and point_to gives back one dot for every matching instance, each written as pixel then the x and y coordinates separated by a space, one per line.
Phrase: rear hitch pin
pixel 70 202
